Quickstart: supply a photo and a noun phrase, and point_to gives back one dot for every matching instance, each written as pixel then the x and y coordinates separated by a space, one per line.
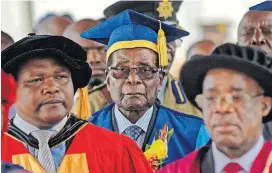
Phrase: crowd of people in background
pixel 98 95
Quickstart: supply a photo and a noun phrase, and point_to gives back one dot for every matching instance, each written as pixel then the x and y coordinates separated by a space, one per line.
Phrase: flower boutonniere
pixel 156 153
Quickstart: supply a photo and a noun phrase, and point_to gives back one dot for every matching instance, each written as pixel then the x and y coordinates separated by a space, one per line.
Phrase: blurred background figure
pixel 98 94
pixel 9 86
pixel 6 40
pixel 255 27
pixel 52 24
pixel 96 52
pixel 255 30
pixel 203 47
pixel 8 91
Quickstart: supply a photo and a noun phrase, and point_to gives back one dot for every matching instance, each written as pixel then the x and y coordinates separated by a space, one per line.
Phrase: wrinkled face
pixel 45 92
pixel 133 92
pixel 256 30
pixel 238 124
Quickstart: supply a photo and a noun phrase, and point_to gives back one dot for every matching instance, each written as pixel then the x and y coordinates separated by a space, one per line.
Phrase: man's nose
pixel 222 106
pixel 94 57
pixel 50 86
pixel 133 78
pixel 258 38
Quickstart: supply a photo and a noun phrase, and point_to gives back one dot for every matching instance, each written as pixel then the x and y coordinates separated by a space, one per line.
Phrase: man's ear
pixel 267 105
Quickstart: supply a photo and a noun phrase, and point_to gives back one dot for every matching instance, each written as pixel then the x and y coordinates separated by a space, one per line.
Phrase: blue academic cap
pixel 131 29
pixel 264 6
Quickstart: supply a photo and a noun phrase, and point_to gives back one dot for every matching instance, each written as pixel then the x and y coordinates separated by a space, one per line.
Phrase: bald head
pixel 96 52
pixel 53 25
pixel 203 47
pixel 255 29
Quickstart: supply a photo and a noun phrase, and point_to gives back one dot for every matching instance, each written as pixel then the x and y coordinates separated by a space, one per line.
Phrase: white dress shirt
pixel 123 123
pixel 245 161
pixel 28 128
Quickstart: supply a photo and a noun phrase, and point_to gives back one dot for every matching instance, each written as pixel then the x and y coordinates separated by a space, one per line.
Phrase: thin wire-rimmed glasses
pixel 231 100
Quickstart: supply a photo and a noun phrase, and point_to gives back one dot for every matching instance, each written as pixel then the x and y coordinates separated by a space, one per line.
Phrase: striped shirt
pixel 123 123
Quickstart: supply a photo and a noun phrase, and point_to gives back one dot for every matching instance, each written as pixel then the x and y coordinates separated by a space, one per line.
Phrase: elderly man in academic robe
pixel 232 86
pixel 136 55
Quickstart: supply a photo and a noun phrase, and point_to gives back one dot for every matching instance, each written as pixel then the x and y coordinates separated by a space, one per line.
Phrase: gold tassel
pixel 162 48
pixel 83 109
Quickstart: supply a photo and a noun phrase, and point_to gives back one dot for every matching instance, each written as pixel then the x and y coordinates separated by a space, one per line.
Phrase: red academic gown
pixel 92 149
pixel 191 163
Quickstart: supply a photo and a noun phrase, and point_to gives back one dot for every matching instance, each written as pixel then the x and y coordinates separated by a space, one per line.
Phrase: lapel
pixel 158 122
pixel 114 121
pixel 206 160
pixel 150 127
pixel 267 131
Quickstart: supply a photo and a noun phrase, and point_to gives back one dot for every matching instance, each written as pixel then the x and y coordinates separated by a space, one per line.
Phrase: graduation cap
pixel 163 10
pixel 264 6
pixel 131 29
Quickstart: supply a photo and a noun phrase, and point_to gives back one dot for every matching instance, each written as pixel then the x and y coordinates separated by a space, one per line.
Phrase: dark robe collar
pixel 70 128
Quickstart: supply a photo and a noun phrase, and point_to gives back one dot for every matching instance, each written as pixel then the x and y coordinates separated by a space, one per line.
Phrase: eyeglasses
pixel 145 73
pixel 237 99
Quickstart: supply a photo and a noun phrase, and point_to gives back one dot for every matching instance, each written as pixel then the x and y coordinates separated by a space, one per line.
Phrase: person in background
pixel 44 136
pixel 135 64
pixel 203 47
pixel 255 30
pixel 6 40
pixel 8 89
pixel 232 87
pixel 98 93
pixel 52 25
pixel 171 93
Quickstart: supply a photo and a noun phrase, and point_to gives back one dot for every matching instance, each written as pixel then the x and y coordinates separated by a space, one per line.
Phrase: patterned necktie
pixel 44 154
pixel 133 132
pixel 232 168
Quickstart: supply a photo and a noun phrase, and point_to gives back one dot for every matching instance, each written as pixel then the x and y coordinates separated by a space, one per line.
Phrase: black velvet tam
pixel 250 61
pixel 60 48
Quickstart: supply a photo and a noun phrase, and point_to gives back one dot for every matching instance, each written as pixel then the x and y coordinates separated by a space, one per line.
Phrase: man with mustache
pixel 136 56
pixel 44 136
pixel 255 30
pixel 98 94
pixel 232 87
pixel 171 93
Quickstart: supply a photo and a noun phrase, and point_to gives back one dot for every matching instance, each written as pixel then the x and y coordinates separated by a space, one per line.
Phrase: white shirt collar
pixel 28 128
pixel 245 161
pixel 123 123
